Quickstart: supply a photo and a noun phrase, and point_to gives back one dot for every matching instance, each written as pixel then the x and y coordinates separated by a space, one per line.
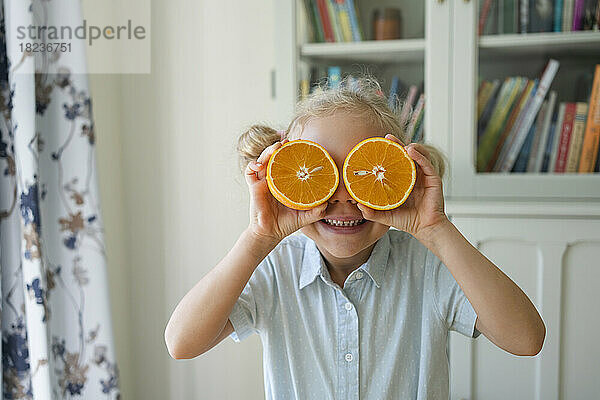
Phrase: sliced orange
pixel 301 174
pixel 379 173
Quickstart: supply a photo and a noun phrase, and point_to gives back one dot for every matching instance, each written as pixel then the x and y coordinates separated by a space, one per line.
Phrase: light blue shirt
pixel 382 336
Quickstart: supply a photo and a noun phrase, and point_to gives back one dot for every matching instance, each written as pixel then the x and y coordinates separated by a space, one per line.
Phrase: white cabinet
pixel 555 262
pixel 543 230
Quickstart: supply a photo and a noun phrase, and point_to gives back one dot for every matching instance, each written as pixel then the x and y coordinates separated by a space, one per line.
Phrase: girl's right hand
pixel 268 217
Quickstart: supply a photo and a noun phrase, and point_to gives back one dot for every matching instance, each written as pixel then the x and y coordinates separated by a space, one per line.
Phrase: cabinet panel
pixel 580 350
pixel 498 374
pixel 554 261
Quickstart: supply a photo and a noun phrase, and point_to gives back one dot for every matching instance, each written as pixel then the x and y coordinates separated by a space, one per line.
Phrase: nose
pixel 341 195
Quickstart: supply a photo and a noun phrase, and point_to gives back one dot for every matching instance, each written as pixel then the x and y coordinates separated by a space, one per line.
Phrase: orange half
pixel 379 173
pixel 301 174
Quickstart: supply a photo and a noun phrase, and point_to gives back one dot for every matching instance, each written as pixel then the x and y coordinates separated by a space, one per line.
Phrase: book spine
pixel 393 92
pixel 344 19
pixel 531 110
pixel 537 137
pixel 591 138
pixel 565 138
pixel 483 15
pixel 353 20
pixel 567 15
pixel 558 8
pixel 556 139
pixel 507 131
pixel 415 116
pixel 578 14
pixel 574 152
pixel 523 16
pixel 325 21
pixel 545 132
pixel 521 161
pixel 508 18
pixel 318 24
pixel 489 137
pixel 406 107
pixel 334 20
pixel 334 75
pixel 488 108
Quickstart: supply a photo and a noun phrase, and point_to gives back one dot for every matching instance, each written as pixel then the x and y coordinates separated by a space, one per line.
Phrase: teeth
pixel 343 223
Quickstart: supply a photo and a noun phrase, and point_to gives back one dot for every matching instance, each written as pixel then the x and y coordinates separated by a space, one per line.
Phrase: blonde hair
pixel 361 96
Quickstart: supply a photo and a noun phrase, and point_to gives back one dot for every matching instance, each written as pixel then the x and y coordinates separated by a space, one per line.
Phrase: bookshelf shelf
pixel 403 50
pixel 582 43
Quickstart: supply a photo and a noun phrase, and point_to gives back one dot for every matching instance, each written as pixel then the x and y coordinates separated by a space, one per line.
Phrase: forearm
pixel 511 321
pixel 203 311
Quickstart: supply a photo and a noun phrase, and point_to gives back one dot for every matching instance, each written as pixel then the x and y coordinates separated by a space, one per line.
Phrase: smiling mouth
pixel 335 223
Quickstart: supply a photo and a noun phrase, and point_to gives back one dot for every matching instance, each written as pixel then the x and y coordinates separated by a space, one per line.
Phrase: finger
pixel 394 138
pixel 373 215
pixel 267 152
pixel 251 172
pixel 422 161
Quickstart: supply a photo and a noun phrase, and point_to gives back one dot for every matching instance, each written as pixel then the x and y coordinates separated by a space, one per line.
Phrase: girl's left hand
pixel 424 207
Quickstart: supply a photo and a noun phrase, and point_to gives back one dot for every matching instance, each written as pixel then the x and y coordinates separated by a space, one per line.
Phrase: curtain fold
pixel 56 325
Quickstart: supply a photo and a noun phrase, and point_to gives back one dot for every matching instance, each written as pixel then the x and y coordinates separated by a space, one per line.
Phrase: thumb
pixel 373 215
pixel 315 213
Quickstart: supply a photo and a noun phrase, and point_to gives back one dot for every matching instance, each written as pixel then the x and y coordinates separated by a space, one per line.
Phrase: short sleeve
pixel 451 304
pixel 251 311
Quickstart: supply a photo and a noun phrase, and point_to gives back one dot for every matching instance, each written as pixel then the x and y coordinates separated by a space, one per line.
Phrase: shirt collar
pixel 314 265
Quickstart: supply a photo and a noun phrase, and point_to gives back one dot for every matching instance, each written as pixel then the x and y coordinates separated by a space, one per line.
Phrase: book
pixel 578 10
pixel 334 20
pixel 487 111
pixel 344 20
pixel 325 20
pixel 523 16
pixel 591 137
pixel 514 113
pixel 334 75
pixel 354 21
pixel 521 161
pixel 483 15
pixel 535 142
pixel 545 135
pixel 567 17
pixel 556 138
pixel 541 15
pixel 509 18
pixel 489 138
pixel 558 8
pixel 548 150
pixel 417 113
pixel 576 137
pixel 408 103
pixel 589 15
pixel 517 136
pixel 565 138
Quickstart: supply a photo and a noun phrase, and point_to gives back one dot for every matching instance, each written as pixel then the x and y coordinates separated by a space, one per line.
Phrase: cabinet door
pixel 555 263
pixel 494 55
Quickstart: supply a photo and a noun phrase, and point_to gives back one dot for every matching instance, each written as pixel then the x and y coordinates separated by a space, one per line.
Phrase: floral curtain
pixel 56 328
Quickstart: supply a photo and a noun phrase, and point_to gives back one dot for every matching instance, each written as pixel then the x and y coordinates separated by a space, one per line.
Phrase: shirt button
pixel 359 275
pixel 348 306
pixel 348 357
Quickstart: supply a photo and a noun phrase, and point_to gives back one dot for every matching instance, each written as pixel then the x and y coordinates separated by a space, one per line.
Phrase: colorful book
pixel 532 107
pixel 541 15
pixel 576 137
pixel 521 161
pixel 325 20
pixel 514 114
pixel 556 138
pixel 417 113
pixel 344 19
pixel 334 75
pixel 565 138
pixel 578 10
pixel 334 20
pixel 488 109
pixel 354 21
pixel 591 138
pixel 408 103
pixel 558 8
pixel 545 136
pixel 537 134
pixel 489 138
pixel 567 15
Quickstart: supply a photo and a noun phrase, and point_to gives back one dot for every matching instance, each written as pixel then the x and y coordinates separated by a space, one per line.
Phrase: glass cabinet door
pixel 522 74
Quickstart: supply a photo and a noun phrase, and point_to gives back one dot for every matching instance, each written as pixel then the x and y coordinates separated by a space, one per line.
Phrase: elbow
pixel 172 344
pixel 537 340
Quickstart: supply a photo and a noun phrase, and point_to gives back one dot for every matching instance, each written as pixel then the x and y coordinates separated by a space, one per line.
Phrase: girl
pixel 359 311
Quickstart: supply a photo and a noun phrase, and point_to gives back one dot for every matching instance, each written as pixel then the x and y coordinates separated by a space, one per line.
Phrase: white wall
pixel 173 200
